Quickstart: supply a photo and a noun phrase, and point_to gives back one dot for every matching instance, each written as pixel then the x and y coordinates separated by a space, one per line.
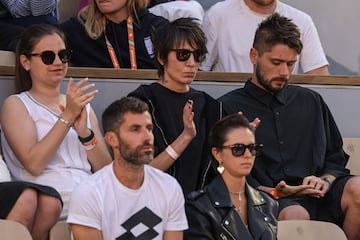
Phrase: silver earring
pixel 220 168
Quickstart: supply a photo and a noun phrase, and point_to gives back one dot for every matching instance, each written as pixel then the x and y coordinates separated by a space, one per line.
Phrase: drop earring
pixel 220 168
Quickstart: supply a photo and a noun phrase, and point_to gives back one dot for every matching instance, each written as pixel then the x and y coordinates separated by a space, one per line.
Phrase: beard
pixel 267 83
pixel 136 156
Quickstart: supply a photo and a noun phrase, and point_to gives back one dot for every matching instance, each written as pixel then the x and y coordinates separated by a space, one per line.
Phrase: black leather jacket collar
pixel 212 207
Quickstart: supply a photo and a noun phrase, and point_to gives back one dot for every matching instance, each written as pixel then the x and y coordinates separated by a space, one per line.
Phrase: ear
pixel 160 60
pixel 25 62
pixel 216 153
pixel 254 55
pixel 111 139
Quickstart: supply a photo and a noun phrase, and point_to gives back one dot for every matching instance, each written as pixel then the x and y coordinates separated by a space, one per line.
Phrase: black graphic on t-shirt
pixel 146 217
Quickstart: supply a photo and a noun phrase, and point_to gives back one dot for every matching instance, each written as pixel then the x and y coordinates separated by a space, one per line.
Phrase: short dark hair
pixel 112 117
pixel 277 29
pixel 222 127
pixel 29 38
pixel 172 34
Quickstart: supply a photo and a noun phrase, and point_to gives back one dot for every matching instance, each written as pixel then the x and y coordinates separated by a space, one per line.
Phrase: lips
pixel 147 148
pixel 246 165
pixel 103 3
pixel 59 70
pixel 189 74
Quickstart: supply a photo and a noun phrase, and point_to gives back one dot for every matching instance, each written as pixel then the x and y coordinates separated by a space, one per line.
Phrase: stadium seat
pixel 309 230
pixel 352 147
pixel 11 230
pixel 7 58
pixel 61 231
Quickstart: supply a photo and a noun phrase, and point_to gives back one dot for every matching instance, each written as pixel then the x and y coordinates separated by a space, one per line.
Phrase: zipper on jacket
pixel 227 231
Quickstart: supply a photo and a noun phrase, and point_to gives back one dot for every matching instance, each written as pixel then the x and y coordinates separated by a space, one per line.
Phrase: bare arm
pixel 284 190
pixel 173 235
pixel 81 232
pixel 20 129
pixel 20 132
pixel 99 156
pixel 163 161
pixel 324 70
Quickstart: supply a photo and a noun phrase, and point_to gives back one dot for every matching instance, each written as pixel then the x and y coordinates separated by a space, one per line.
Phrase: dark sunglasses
pixel 239 149
pixel 183 55
pixel 48 57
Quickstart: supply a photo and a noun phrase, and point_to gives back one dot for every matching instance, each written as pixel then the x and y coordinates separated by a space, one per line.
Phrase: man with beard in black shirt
pixel 302 162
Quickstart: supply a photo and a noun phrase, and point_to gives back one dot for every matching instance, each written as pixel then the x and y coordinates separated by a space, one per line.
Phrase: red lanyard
pixel 131 41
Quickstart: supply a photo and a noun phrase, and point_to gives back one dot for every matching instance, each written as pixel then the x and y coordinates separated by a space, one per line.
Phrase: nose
pixel 284 69
pixel 147 135
pixel 57 59
pixel 191 61
pixel 247 153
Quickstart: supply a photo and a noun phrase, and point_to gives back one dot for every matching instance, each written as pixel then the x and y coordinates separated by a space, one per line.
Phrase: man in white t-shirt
pixel 230 26
pixel 128 199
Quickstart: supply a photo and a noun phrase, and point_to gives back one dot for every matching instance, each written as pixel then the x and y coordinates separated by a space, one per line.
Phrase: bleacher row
pixel 287 229
pixel 294 230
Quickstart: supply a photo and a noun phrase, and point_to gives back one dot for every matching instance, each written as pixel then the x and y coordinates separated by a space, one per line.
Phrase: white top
pixel 102 202
pixel 230 28
pixel 4 171
pixel 177 9
pixel 68 167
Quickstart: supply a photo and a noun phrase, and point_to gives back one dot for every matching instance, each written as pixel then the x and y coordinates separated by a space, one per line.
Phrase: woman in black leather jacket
pixel 229 208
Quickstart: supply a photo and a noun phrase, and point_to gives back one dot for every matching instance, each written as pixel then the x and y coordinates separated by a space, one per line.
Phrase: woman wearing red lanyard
pixel 113 34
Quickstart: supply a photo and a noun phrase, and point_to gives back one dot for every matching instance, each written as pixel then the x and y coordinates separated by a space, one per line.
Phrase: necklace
pixel 238 209
pixel 237 193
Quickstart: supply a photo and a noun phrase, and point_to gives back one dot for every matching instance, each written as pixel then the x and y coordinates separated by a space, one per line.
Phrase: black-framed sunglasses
pixel 239 149
pixel 48 57
pixel 183 55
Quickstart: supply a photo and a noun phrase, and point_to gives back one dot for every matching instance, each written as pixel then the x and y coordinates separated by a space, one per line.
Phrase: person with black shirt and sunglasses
pixel 229 208
pixel 47 137
pixel 182 116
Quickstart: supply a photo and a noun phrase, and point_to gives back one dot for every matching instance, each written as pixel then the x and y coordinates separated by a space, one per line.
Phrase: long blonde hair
pixel 94 18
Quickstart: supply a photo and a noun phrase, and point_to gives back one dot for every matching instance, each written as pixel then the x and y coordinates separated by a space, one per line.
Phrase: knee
pixel 23 210
pixel 295 212
pixel 28 199
pixel 49 206
pixel 351 194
